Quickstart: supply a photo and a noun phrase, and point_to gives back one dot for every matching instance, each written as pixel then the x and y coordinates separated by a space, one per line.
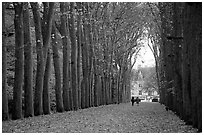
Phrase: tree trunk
pixel 66 56
pixel 84 71
pixel 28 64
pixel 83 87
pixel 164 54
pixel 74 81
pixel 46 34
pixel 19 41
pixel 47 27
pixel 56 59
pixel 85 81
pixel 198 65
pixel 96 96
pixel 95 73
pixel 5 114
pixel 195 45
pixel 46 95
pixel 186 90
pixel 79 39
pixel 90 57
pixel 38 108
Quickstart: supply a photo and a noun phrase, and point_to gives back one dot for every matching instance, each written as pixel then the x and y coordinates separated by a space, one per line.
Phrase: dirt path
pixel 123 118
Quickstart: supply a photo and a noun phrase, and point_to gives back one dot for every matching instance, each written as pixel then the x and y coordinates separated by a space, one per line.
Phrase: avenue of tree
pixel 90 46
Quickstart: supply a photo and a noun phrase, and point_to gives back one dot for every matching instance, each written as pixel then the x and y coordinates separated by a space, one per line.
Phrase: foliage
pixel 150 80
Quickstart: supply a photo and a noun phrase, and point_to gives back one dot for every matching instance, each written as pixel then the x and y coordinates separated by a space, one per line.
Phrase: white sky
pixel 145 57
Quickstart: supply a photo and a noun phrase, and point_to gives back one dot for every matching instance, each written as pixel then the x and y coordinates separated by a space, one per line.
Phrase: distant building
pixel 136 89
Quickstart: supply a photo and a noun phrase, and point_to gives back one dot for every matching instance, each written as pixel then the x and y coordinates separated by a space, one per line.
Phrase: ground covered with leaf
pixel 148 117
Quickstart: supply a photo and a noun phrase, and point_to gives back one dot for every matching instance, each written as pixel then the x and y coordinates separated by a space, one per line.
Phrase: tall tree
pixel 79 10
pixel 46 34
pixel 28 64
pixel 19 41
pixel 47 26
pixel 177 44
pixel 38 108
pixel 194 23
pixel 85 80
pixel 74 82
pixel 46 85
pixel 84 71
pixel 58 80
pixel 66 56
pixel 5 114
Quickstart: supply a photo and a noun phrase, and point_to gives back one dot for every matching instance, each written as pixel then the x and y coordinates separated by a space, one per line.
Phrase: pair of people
pixel 137 100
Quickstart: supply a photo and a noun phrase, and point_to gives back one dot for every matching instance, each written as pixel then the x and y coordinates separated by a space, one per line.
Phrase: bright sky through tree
pixel 145 57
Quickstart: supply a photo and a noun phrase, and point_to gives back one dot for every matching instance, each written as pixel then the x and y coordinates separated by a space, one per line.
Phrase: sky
pixel 145 57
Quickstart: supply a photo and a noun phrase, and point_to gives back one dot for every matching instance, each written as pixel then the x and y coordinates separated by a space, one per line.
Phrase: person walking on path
pixel 137 100
pixel 133 101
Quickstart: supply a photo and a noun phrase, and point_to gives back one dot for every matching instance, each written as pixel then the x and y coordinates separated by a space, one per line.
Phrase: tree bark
pixel 5 114
pixel 186 83
pixel 19 41
pixel 66 56
pixel 84 71
pixel 79 51
pixel 28 64
pixel 90 50
pixel 38 108
pixel 195 45
pixel 85 81
pixel 46 34
pixel 56 59
pixel 47 28
pixel 74 81
pixel 46 95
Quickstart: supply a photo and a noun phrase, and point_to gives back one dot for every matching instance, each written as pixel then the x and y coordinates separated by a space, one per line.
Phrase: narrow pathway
pixel 124 118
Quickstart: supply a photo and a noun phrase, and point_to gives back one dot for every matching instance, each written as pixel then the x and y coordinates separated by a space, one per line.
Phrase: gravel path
pixel 123 118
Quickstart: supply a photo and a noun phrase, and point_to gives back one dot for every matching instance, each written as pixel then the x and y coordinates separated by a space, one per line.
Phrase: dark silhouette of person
pixel 137 100
pixel 133 101
pixel 167 108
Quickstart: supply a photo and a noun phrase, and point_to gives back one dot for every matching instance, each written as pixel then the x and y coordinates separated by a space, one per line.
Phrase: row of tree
pixel 177 46
pixel 94 41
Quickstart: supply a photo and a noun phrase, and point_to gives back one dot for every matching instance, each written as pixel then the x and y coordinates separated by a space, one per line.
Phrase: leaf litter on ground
pixel 148 117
